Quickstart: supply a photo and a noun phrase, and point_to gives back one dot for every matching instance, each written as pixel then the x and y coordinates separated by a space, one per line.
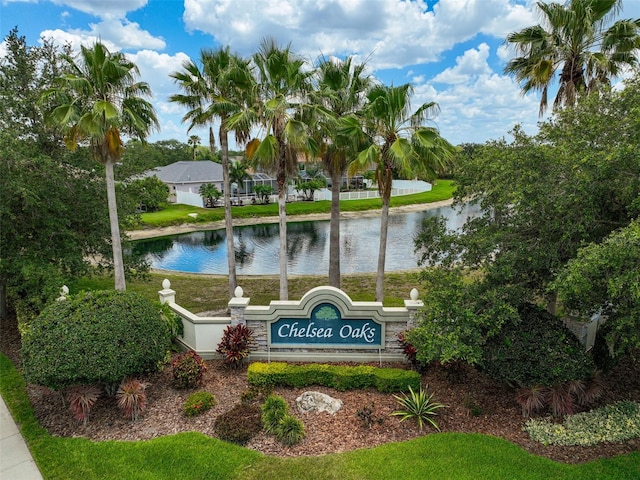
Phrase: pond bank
pixel 196 227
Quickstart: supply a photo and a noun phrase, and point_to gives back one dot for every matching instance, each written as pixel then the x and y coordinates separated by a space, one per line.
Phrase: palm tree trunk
pixel 118 263
pixel 282 214
pixel 334 234
pixel 228 220
pixel 385 180
pixel 382 252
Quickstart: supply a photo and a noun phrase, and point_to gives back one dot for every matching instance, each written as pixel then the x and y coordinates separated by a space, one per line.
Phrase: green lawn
pixel 195 456
pixel 176 214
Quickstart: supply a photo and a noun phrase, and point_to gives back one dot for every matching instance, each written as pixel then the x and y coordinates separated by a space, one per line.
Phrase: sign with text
pixel 326 328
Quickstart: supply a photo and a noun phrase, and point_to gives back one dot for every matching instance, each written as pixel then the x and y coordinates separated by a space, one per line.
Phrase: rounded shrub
pixel 539 350
pixel 198 402
pixel 94 337
pixel 290 430
pixel 188 370
pixel 239 425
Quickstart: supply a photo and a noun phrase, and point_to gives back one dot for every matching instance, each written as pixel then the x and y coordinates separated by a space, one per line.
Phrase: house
pixel 185 177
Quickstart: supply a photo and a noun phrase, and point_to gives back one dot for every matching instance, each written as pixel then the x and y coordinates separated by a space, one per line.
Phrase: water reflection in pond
pixel 256 247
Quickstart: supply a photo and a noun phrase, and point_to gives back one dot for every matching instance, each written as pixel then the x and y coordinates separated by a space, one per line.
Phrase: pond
pixel 256 247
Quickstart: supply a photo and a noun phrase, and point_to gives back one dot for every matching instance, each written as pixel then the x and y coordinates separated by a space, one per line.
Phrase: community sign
pixel 326 328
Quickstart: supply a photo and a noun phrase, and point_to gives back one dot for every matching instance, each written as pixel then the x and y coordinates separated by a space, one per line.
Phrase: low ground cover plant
pixel 613 423
pixel 335 376
pixel 198 402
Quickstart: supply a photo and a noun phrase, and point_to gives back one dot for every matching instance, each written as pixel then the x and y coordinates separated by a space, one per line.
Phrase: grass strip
pixel 176 214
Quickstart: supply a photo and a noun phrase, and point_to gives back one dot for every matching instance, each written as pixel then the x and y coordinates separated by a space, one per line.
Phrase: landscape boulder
pixel 318 402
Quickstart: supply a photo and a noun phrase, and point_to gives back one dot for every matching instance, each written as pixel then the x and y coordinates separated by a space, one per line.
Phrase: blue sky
pixel 450 50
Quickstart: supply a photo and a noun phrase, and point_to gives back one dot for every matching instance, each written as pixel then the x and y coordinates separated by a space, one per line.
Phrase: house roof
pixel 204 171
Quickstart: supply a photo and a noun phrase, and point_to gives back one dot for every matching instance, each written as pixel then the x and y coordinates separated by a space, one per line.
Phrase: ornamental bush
pixel 198 402
pixel 613 423
pixel 240 424
pixel 94 337
pixel 188 370
pixel 537 350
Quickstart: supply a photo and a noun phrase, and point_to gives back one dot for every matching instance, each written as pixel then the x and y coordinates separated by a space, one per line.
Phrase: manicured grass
pixel 200 293
pixel 194 456
pixel 176 214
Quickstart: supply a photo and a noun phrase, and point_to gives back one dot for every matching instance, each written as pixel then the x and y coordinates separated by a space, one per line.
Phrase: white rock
pixel 318 402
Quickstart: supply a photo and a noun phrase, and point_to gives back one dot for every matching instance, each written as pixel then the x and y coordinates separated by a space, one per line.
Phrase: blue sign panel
pixel 326 328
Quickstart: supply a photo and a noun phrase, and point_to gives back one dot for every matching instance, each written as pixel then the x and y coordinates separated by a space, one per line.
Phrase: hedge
pixel 335 376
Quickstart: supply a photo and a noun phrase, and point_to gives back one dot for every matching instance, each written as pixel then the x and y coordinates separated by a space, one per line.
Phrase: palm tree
pixel 210 193
pixel 217 91
pixel 575 41
pixel 283 85
pixel 238 173
pixel 194 141
pixel 398 142
pixel 97 101
pixel 341 90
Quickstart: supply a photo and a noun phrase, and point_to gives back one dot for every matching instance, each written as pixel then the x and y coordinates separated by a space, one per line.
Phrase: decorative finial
pixel 166 284
pixel 238 292
pixel 414 294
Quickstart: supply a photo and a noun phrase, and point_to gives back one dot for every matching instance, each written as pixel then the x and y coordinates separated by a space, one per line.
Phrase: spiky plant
pixel 418 405
pixel 81 399
pixel 132 397
pixel 532 399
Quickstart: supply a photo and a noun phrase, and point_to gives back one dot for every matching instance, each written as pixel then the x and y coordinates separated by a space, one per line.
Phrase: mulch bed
pixel 474 402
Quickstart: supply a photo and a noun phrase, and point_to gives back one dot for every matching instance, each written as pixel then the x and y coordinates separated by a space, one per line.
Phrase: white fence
pixel 400 187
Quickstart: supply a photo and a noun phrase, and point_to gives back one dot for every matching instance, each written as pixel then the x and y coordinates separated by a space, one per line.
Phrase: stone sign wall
pixel 325 325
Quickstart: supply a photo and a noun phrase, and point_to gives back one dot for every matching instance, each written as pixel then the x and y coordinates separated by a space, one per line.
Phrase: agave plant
pixel 418 405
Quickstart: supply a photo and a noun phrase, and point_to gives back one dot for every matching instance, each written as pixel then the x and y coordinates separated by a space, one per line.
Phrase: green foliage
pixel 458 317
pixel 192 455
pixel 418 405
pixel 132 397
pixel 605 276
pixel 308 187
pixel 334 376
pixel 537 350
pixel 274 410
pixel 149 193
pixel 188 370
pixel 614 423
pixel 198 402
pixel 290 430
pixel 94 337
pixel 539 205
pixel 240 424
pixel 210 193
pixel 235 345
pixel 263 192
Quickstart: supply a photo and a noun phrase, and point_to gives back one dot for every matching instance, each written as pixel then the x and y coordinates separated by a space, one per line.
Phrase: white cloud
pixel 397 32
pixel 116 34
pixel 477 103
pixel 104 8
pixel 471 64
